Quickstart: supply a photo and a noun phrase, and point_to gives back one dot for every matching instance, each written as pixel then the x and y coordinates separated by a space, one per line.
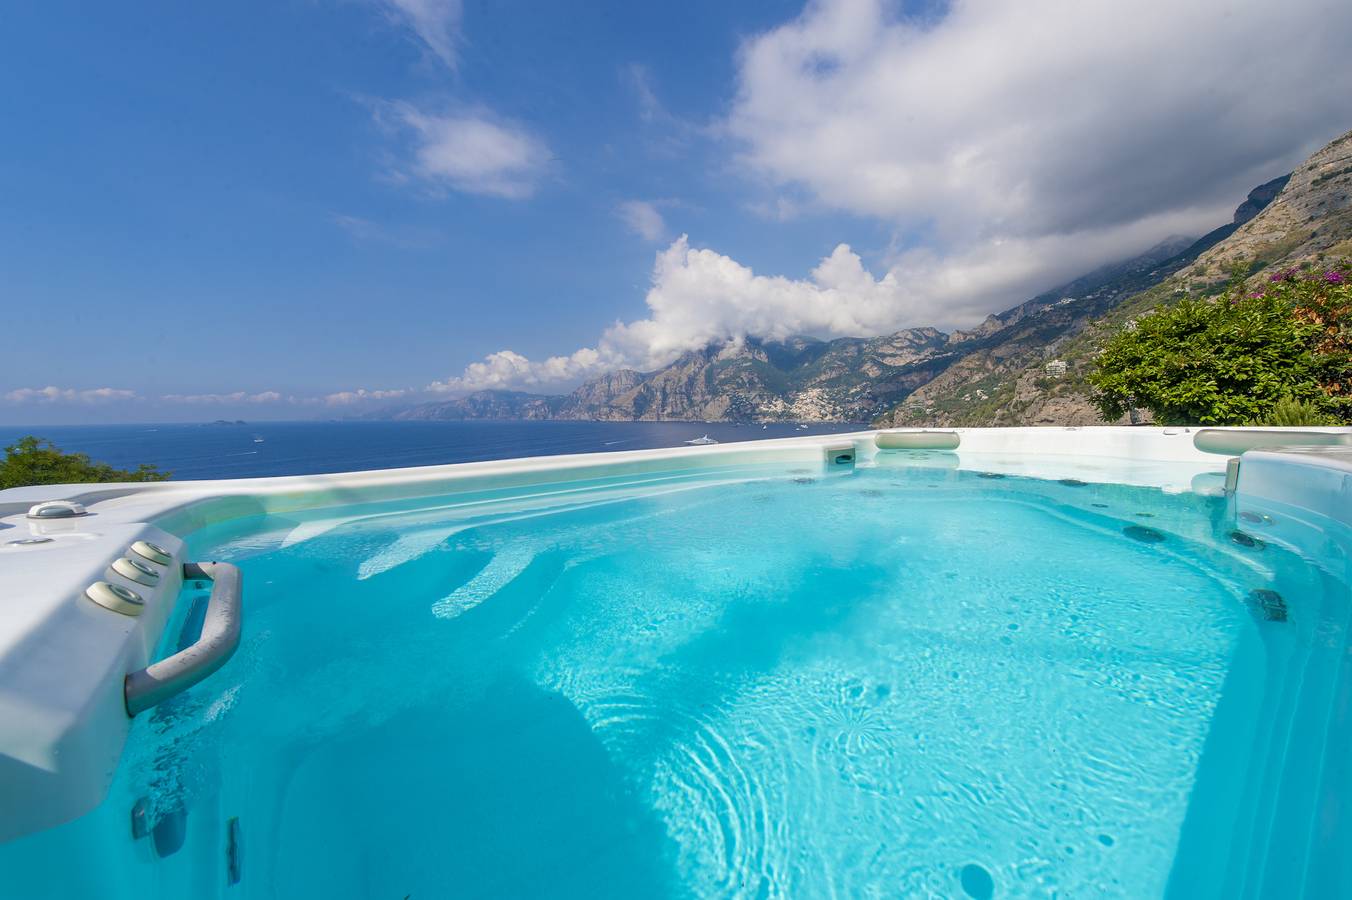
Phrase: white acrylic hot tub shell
pixel 62 658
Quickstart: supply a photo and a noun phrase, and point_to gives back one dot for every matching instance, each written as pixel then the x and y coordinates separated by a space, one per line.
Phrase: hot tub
pixel 1043 662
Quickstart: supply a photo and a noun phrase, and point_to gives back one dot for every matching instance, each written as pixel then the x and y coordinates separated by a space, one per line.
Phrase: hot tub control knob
pixel 56 509
pixel 153 552
pixel 116 597
pixel 135 571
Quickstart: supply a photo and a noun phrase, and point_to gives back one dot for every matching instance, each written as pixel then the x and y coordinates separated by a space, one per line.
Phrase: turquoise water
pixel 905 681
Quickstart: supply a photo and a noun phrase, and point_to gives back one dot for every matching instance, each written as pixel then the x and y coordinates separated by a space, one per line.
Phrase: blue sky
pixel 305 209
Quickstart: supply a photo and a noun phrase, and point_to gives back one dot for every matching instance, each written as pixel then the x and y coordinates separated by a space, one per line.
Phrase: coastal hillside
pixel 1034 372
pixel 798 380
pixel 1024 366
pixel 805 379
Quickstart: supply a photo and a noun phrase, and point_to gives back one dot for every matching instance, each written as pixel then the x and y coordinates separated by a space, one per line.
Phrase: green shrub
pixel 1232 360
pixel 35 461
pixel 1289 413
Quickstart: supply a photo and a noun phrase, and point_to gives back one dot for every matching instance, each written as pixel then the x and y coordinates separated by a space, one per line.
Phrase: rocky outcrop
pixel 801 379
pixel 798 380
pixel 1258 199
pixel 1309 220
pixel 603 398
pixel 1298 219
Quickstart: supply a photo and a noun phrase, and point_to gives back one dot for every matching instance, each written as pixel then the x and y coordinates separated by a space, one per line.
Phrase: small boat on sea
pixel 702 440
pixel 258 438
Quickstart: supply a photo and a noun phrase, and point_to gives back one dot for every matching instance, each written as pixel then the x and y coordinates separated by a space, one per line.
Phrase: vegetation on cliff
pixel 32 460
pixel 1282 352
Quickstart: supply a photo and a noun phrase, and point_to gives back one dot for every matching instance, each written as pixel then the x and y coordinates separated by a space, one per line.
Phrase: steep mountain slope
pixel 1298 219
pixel 845 380
pixel 801 379
pixel 479 405
pixel 1309 221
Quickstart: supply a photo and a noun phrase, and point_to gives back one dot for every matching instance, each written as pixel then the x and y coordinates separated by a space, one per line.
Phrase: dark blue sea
pixel 198 451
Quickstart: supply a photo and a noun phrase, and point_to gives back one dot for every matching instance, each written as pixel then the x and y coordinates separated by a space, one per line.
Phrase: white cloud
pixel 235 397
pixel 1028 142
pixel 469 150
pixel 508 369
pixel 639 80
pixel 361 395
pixel 1039 117
pixel 699 295
pixel 53 394
pixel 435 22
pixel 642 218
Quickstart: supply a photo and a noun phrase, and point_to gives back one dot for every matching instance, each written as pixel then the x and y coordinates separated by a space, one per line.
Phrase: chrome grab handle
pixel 161 680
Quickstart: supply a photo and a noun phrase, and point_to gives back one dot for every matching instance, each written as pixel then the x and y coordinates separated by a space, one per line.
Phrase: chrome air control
pixel 135 571
pixel 153 552
pixel 116 597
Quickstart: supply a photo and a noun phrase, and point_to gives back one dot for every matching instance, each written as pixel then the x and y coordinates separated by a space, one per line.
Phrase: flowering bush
pixel 1233 360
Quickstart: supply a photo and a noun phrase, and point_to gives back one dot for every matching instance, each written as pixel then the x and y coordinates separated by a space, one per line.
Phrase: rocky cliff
pixel 1308 221
pixel 798 380
pixel 1298 219
pixel 802 379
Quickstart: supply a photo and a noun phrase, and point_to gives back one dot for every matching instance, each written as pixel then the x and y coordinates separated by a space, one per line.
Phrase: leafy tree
pixel 35 461
pixel 1232 360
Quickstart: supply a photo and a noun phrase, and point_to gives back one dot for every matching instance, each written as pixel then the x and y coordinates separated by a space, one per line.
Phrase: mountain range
pixel 1022 366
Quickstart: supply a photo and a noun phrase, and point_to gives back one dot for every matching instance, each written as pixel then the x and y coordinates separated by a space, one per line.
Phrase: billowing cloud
pixel 1008 146
pixel 699 295
pixel 1038 117
pixel 508 369
pixel 468 150
pixel 53 394
pixel 642 218
pixel 436 23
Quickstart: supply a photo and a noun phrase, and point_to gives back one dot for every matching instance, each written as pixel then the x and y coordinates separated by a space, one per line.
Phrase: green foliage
pixel 35 461
pixel 1290 413
pixel 1231 361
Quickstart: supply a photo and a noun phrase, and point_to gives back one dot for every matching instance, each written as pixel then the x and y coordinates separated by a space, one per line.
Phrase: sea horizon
pixel 243 449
